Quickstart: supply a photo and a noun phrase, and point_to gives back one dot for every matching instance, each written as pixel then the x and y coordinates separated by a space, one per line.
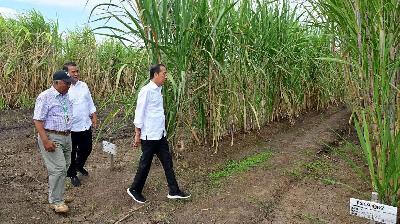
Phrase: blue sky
pixel 69 13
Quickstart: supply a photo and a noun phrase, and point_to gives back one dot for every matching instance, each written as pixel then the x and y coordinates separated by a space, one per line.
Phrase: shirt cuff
pixel 38 118
pixel 138 125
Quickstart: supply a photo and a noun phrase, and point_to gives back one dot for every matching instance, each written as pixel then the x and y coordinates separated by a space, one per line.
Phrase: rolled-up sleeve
pixel 140 108
pixel 41 109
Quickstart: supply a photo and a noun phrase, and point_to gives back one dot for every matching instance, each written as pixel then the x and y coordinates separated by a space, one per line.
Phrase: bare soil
pixel 306 180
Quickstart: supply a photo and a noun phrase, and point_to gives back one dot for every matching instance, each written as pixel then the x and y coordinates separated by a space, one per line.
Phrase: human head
pixel 62 81
pixel 158 74
pixel 73 70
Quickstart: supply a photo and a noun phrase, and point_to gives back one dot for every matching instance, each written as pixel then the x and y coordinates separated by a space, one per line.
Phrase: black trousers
pixel 161 149
pixel 81 149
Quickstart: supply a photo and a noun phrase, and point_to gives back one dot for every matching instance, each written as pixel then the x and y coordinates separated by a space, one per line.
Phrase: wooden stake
pixel 112 161
pixel 374 198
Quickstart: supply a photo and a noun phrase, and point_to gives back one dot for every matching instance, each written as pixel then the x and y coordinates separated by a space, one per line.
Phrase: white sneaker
pixel 178 195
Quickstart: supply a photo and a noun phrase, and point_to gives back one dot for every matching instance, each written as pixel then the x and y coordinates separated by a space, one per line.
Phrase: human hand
pixel 94 122
pixel 49 145
pixel 137 141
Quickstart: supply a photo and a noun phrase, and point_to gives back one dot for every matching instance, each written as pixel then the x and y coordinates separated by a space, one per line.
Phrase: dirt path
pixel 302 181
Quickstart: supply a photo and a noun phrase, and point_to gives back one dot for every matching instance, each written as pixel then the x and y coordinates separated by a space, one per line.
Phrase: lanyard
pixel 65 108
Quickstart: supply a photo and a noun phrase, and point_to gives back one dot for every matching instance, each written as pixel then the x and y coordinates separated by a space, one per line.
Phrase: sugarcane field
pixel 200 111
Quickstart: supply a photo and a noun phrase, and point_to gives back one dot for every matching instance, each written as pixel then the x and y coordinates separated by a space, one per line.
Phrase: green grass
pixel 233 167
pixel 3 104
pixel 296 173
pixel 311 219
pixel 350 153
pixel 328 181
pixel 322 169
pixel 317 168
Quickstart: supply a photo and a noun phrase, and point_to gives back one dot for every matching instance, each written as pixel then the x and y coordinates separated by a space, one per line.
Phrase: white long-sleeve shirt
pixel 83 106
pixel 149 113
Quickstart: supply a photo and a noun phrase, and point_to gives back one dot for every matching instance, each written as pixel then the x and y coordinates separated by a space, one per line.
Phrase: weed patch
pixel 317 168
pixel 312 219
pixel 233 167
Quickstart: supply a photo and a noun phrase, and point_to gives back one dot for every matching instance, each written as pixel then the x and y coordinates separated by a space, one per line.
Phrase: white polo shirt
pixel 149 113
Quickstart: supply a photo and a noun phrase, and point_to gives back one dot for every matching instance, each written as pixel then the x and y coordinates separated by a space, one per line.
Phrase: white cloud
pixel 8 12
pixel 66 3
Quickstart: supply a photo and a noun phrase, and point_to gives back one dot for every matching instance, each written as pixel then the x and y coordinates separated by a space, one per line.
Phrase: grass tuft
pixel 233 167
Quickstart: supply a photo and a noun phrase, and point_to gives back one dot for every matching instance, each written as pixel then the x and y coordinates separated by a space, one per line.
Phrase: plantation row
pixel 33 48
pixel 233 66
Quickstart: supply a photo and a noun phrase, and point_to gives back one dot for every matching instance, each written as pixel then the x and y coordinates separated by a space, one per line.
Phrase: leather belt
pixel 58 132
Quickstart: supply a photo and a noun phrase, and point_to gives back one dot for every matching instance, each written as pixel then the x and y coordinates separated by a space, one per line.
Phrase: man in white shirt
pixel 151 134
pixel 84 118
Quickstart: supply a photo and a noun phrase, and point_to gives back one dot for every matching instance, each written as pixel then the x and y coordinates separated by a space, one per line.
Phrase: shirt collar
pixel 55 92
pixel 77 83
pixel 153 85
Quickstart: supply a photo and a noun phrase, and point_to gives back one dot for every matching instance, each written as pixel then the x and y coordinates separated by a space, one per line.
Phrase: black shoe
pixel 75 181
pixel 178 195
pixel 138 197
pixel 83 172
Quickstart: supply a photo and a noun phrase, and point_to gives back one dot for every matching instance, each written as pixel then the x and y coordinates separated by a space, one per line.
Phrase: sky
pixel 69 13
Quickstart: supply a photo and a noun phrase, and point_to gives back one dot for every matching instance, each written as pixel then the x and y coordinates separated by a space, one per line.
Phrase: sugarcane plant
pixel 233 65
pixel 32 48
pixel 366 39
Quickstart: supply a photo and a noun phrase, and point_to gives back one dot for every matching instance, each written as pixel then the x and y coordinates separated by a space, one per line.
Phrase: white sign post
pixel 373 211
pixel 110 148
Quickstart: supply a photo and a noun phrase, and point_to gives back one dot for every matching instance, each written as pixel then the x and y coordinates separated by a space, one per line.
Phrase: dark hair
pixel 66 65
pixel 155 69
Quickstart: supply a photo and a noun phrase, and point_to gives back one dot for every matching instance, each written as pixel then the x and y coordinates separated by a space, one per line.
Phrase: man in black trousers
pixel 83 120
pixel 150 132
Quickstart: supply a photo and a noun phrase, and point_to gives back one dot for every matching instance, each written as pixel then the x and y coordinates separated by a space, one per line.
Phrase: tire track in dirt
pixel 315 138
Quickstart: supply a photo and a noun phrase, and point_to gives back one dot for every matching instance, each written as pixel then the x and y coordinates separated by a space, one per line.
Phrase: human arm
pixel 92 108
pixel 140 116
pixel 39 115
pixel 137 140
pixel 93 117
